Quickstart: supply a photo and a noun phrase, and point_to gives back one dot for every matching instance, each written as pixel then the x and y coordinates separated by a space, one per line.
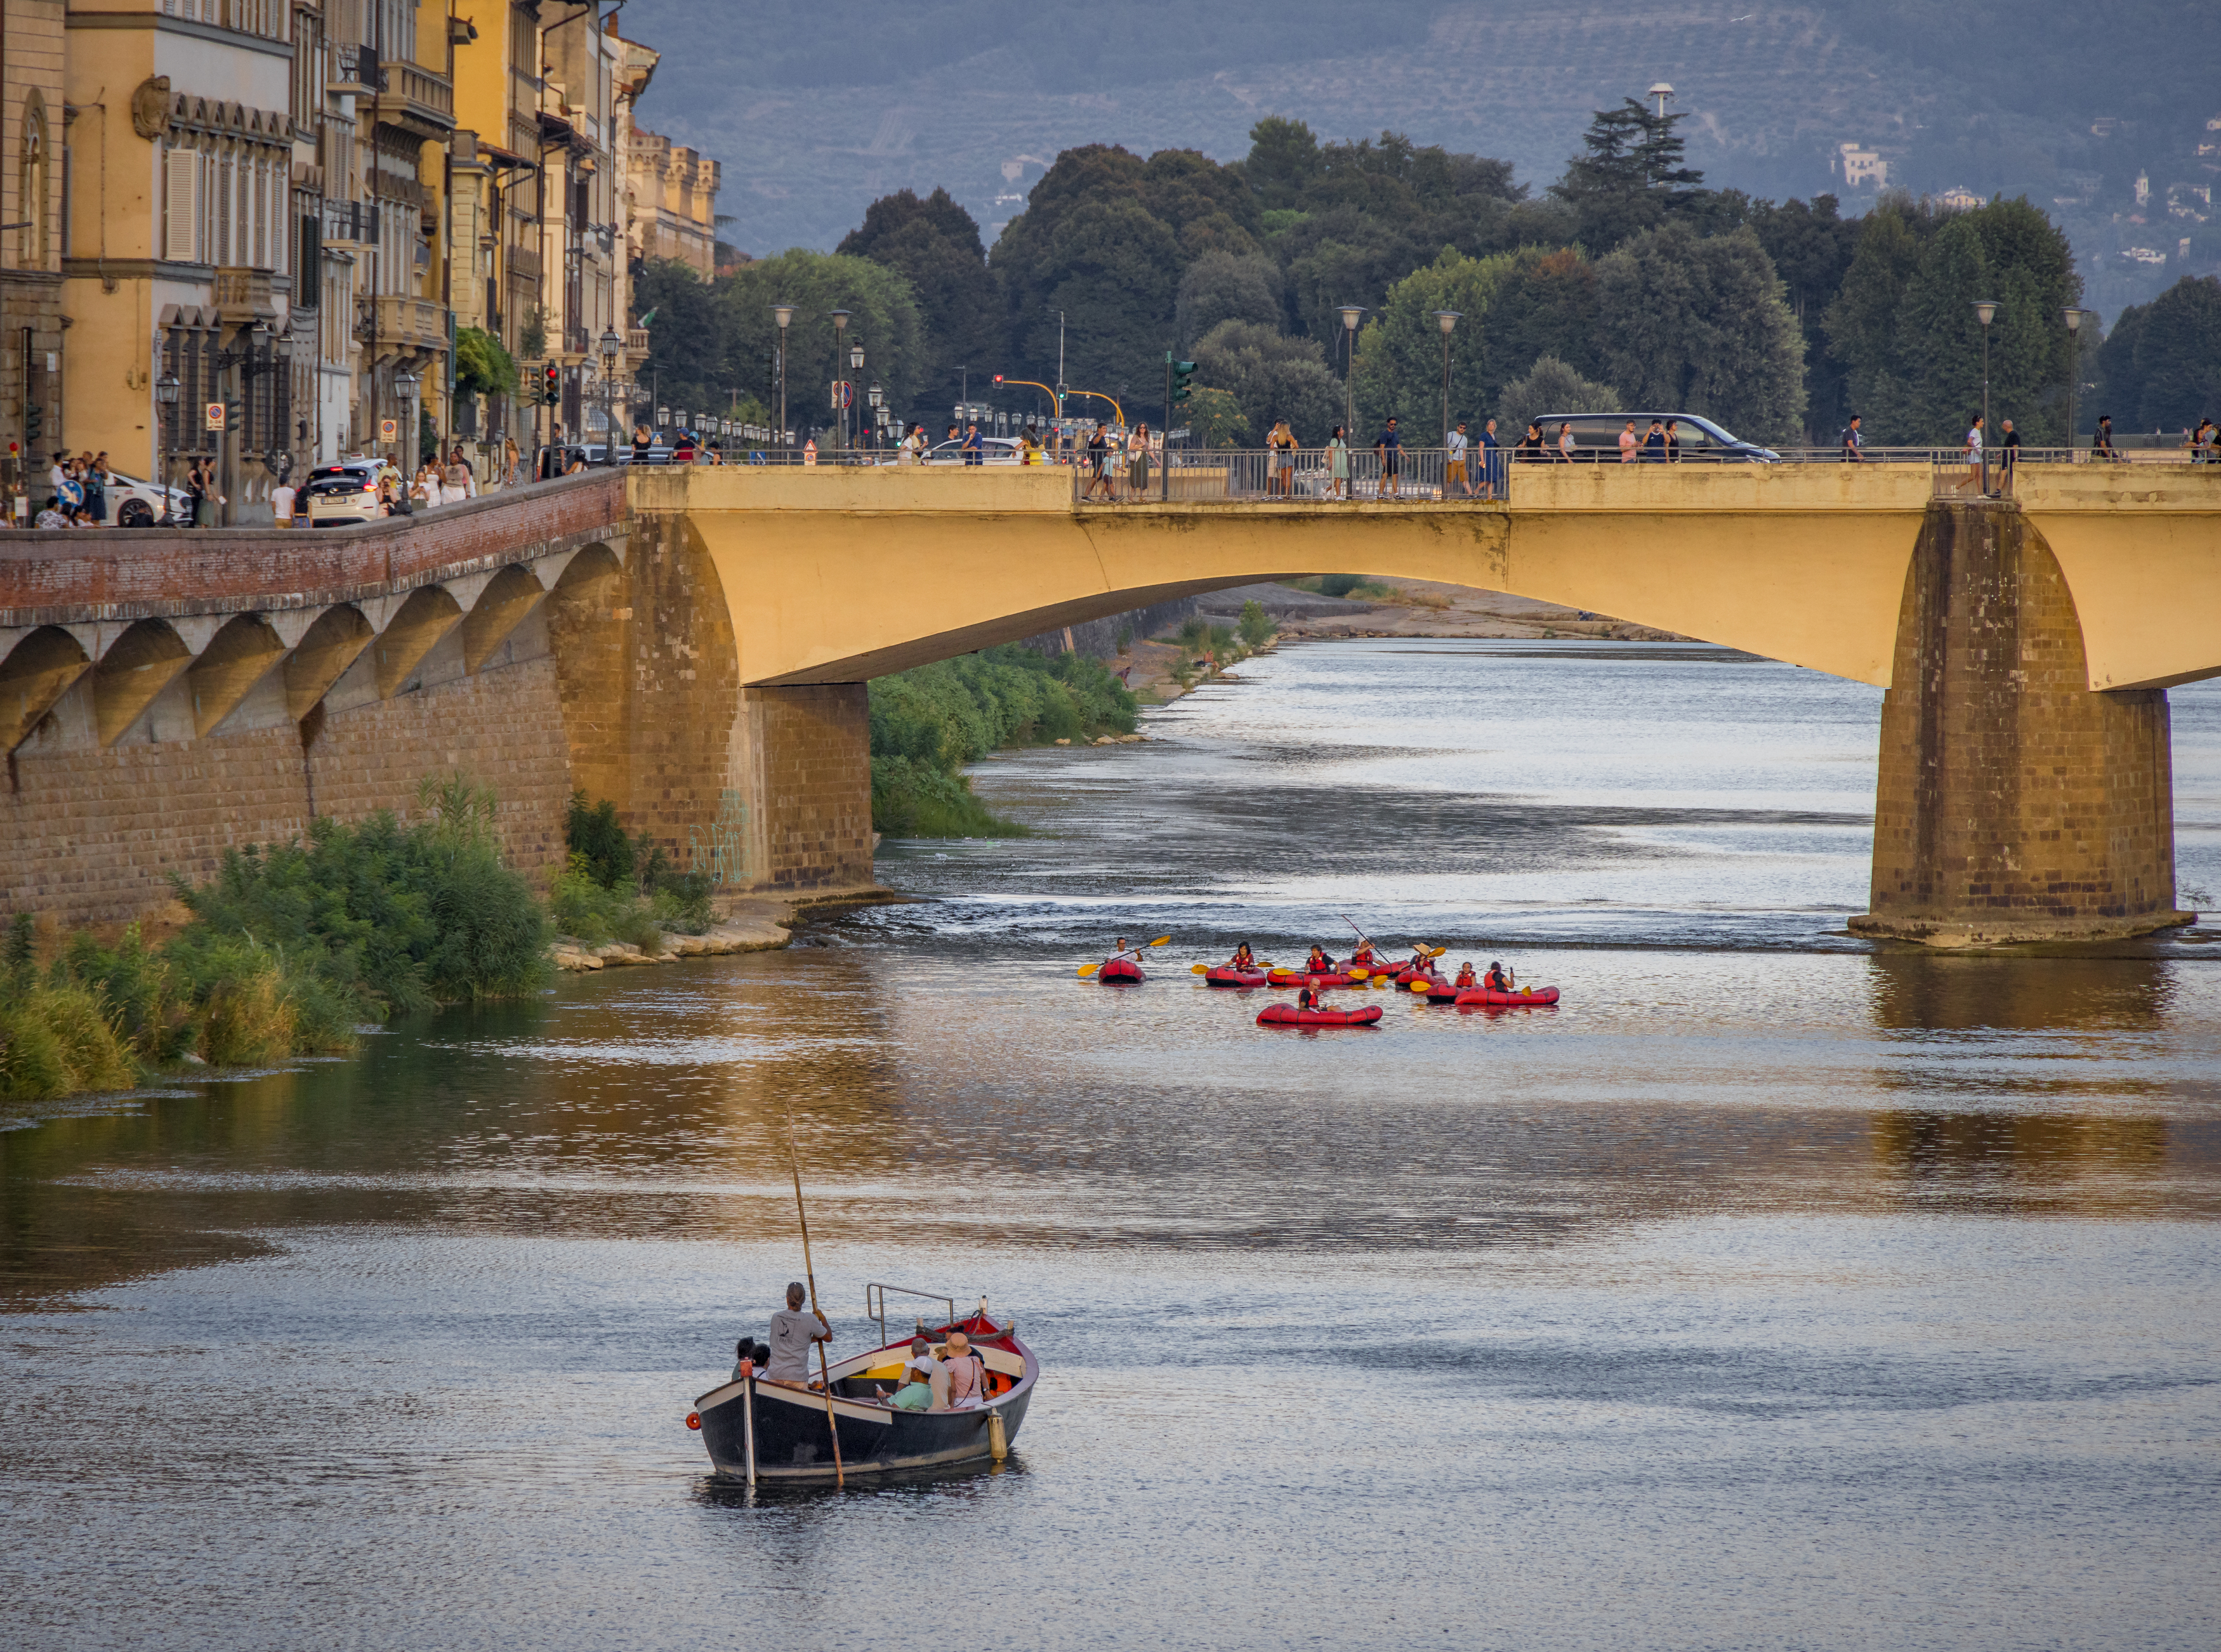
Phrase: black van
pixel 1596 437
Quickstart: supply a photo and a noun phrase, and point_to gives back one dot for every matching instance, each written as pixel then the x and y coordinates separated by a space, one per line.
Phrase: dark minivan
pixel 1596 437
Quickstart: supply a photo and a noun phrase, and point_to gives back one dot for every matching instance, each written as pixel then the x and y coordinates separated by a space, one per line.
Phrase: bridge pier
pixel 2013 803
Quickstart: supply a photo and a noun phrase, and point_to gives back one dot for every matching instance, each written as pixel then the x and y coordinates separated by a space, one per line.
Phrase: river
pixel 1774 1290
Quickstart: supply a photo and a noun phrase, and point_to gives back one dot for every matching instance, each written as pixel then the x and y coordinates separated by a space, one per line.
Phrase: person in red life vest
pixel 1498 979
pixel 1318 964
pixel 1465 975
pixel 1363 956
pixel 1306 1000
pixel 1242 959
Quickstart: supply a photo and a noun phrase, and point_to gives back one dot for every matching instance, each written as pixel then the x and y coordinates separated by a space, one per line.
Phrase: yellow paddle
pixel 1087 970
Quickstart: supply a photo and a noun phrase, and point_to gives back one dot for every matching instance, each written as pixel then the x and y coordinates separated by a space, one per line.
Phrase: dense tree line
pixel 1628 284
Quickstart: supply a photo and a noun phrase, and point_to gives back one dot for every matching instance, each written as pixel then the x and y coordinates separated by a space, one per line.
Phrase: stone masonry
pixel 2013 804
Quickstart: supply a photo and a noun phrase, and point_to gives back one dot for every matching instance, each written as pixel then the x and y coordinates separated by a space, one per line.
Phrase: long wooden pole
pixel 808 1273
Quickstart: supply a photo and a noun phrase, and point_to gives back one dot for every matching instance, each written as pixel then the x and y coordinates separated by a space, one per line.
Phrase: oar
pixel 1087 970
pixel 824 1369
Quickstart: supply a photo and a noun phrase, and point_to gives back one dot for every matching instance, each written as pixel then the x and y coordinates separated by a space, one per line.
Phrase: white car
pixel 134 503
pixel 338 495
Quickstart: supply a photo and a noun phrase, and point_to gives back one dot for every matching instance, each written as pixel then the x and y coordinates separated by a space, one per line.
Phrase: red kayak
pixel 1226 975
pixel 1120 972
pixel 1525 995
pixel 1376 966
pixel 1289 1015
pixel 1302 978
pixel 1405 977
pixel 1441 992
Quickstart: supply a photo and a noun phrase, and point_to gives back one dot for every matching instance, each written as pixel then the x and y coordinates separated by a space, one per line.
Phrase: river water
pixel 1774 1290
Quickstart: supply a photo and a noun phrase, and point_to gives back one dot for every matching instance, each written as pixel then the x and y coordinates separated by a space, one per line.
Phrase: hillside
pixel 816 114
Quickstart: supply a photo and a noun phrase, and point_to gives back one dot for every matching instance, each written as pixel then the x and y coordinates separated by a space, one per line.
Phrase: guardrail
pixel 1306 475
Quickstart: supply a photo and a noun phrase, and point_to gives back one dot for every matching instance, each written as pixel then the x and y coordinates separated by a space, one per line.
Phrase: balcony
pixel 416 101
pixel 400 323
pixel 243 295
pixel 350 224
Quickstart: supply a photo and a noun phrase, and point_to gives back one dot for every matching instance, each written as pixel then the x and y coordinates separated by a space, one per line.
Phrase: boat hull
pixel 1225 975
pixel 1490 997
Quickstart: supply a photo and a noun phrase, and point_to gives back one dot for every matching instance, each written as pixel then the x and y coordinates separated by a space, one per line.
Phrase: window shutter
pixel 181 207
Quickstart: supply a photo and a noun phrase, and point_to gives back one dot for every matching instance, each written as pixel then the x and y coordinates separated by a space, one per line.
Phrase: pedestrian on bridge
pixel 1853 441
pixel 1389 450
pixel 1973 481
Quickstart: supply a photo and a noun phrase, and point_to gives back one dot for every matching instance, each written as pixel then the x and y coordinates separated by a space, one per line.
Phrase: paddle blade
pixel 1356 975
pixel 1418 986
pixel 1161 940
pixel 1197 969
pixel 1087 970
pixel 1437 952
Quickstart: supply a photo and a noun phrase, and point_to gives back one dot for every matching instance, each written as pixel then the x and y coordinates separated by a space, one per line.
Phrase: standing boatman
pixel 792 1332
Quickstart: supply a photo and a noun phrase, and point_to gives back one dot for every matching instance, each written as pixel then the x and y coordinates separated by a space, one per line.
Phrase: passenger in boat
pixel 1242 959
pixel 1306 1000
pixel 792 1332
pixel 1465 975
pixel 1363 956
pixel 967 1375
pixel 1318 964
pixel 749 1358
pixel 1498 979
pixel 925 1386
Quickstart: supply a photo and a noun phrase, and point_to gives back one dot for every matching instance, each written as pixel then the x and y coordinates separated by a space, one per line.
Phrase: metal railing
pixel 875 1305
pixel 1305 475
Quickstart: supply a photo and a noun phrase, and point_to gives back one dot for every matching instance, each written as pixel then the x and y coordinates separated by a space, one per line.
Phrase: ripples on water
pixel 1773 1290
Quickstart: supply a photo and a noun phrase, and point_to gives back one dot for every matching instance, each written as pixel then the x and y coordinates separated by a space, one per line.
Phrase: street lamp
pixel 783 315
pixel 2074 370
pixel 166 389
pixel 1351 314
pixel 663 418
pixel 1445 319
pixel 1985 309
pixel 847 400
pixel 840 341
pixel 405 385
pixel 610 345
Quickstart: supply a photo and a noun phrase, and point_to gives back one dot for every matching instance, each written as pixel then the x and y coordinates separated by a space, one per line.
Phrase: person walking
pixel 198 508
pixel 1098 458
pixel 281 502
pixel 2010 441
pixel 1852 440
pixel 2101 444
pixel 1565 443
pixel 1454 471
pixel 1389 450
pixel 1973 446
pixel 1337 465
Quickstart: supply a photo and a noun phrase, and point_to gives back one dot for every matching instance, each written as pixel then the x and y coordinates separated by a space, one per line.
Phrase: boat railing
pixel 875 1304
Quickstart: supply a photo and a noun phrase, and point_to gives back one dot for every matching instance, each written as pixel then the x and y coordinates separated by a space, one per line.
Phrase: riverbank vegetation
pixel 620 887
pixel 288 948
pixel 929 723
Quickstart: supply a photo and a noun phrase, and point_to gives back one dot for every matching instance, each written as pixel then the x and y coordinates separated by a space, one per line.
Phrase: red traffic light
pixel 998 379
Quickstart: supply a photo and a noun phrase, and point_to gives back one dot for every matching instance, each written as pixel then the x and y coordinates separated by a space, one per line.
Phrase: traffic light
pixel 34 421
pixel 551 385
pixel 1182 371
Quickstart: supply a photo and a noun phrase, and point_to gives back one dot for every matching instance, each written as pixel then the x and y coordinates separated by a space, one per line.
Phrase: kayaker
pixel 1318 964
pixel 1242 959
pixel 791 1333
pixel 1121 952
pixel 1498 979
pixel 1306 1000
pixel 1465 975
pixel 1363 956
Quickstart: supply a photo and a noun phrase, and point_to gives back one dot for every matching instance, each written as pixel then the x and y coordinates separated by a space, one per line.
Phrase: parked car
pixel 134 503
pixel 1596 437
pixel 993 450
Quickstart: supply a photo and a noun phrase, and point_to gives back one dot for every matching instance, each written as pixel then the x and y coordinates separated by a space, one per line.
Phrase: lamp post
pixel 1351 314
pixel 663 418
pixel 840 352
pixel 610 345
pixel 878 399
pixel 1445 319
pixel 1985 309
pixel 2074 370
pixel 783 315
pixel 406 384
pixel 166 389
pixel 849 396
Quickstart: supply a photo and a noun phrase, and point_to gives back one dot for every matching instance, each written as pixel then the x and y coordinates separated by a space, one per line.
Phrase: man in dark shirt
pixel 1854 439
pixel 973 454
pixel 1491 471
pixel 1099 454
pixel 2101 445
pixel 1390 451
pixel 2011 442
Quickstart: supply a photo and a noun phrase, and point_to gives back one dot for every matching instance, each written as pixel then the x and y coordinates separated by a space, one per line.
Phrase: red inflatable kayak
pixel 1300 978
pixel 1289 1015
pixel 1526 995
pixel 1226 975
pixel 1120 972
pixel 1440 992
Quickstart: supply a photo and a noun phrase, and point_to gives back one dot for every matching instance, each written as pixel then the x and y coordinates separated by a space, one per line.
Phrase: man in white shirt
pixel 281 504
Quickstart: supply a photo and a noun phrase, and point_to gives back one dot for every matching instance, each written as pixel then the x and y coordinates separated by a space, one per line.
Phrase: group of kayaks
pixel 1365 966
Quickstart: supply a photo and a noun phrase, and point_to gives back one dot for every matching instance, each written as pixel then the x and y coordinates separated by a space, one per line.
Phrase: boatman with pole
pixel 793 1330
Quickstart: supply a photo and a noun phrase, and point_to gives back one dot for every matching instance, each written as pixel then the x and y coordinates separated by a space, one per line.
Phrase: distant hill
pixel 2108 118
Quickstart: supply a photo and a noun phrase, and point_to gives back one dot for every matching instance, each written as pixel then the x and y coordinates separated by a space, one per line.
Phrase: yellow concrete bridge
pixel 693 644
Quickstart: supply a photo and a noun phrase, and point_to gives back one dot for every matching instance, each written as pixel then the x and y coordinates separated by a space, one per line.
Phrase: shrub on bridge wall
pixel 620 887
pixel 927 724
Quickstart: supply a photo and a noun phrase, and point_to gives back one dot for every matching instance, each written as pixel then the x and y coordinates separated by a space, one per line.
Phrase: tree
pixel 1632 178
pixel 935 243
pixel 1270 377
pixel 1811 247
pixel 688 347
pixel 1861 320
pixel 2170 355
pixel 1692 325
pixel 1214 418
pixel 1284 157
pixel 1550 386
pixel 1399 352
pixel 1220 287
pixel 883 318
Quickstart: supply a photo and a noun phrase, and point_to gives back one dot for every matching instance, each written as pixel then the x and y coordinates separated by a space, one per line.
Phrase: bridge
pixel 693 644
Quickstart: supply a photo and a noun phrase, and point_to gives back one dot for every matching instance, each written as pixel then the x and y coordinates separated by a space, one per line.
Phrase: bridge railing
pixel 1303 476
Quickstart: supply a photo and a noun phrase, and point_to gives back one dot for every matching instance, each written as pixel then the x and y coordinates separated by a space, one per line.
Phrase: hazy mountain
pixel 815 110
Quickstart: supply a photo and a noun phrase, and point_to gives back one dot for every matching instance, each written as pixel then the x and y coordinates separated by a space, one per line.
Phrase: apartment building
pixel 248 230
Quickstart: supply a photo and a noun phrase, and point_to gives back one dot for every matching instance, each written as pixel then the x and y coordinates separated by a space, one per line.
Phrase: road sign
pixel 215 413
pixel 389 430
pixel 844 394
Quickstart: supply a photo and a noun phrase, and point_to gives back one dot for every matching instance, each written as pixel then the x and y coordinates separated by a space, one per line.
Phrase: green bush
pixel 626 872
pixel 1256 625
pixel 594 833
pixel 927 724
